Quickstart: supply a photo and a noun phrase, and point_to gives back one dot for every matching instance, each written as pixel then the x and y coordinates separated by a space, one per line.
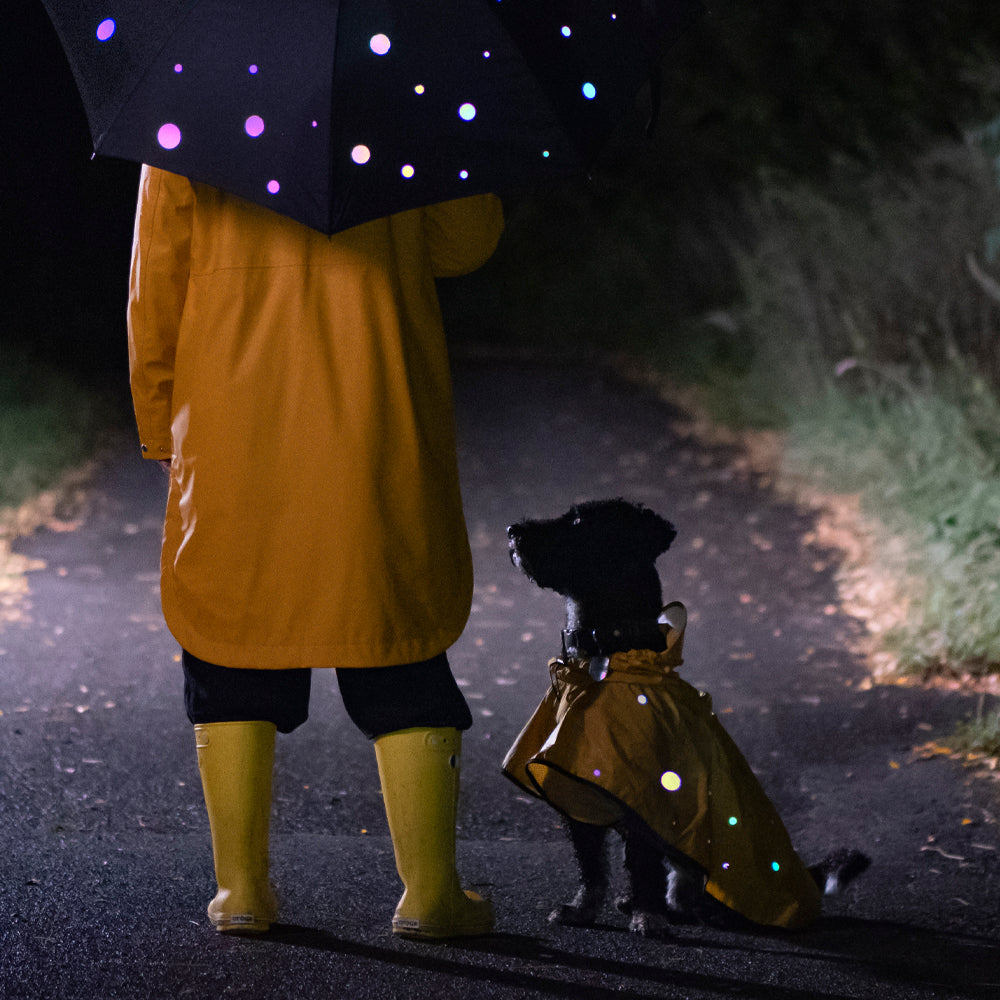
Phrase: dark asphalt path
pixel 106 864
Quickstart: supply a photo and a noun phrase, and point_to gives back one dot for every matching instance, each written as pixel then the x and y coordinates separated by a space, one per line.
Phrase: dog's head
pixel 595 548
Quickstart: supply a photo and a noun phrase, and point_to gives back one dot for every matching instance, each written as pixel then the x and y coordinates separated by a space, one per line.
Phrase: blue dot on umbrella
pixel 566 32
pixel 467 112
pixel 106 29
pixel 589 91
pixel 254 126
pixel 463 174
pixel 169 136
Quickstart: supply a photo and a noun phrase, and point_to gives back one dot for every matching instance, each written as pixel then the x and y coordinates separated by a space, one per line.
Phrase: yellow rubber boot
pixel 236 760
pixel 419 771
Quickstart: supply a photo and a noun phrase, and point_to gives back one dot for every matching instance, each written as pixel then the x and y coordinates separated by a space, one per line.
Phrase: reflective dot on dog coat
pixel 671 781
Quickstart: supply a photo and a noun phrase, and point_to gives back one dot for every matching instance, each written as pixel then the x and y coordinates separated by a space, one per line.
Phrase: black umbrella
pixel 334 112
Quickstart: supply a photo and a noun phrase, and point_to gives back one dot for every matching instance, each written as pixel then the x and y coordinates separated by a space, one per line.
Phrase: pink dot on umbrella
pixel 178 68
pixel 254 126
pixel 106 29
pixel 379 44
pixel 361 154
pixel 252 69
pixel 315 123
pixel 169 136
pixel 273 187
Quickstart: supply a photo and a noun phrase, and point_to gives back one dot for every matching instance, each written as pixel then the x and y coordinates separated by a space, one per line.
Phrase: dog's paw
pixel 835 872
pixel 571 915
pixel 649 925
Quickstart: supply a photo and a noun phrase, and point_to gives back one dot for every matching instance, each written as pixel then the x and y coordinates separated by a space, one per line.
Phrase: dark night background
pixel 67 219
pixel 776 84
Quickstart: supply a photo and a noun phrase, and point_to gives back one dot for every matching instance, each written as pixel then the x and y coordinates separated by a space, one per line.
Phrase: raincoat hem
pixel 355 656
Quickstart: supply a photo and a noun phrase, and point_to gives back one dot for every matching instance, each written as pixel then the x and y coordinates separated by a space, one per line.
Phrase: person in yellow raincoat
pixel 298 386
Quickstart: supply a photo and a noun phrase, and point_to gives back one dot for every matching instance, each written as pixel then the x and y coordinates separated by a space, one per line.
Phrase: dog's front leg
pixel 591 856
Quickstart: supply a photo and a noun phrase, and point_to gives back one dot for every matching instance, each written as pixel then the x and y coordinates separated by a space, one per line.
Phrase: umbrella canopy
pixel 334 112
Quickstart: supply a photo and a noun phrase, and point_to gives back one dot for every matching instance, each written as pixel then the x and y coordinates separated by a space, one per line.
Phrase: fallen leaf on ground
pixel 929 750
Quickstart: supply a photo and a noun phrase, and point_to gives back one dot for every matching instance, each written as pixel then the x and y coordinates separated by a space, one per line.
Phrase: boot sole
pixel 239 925
pixel 425 932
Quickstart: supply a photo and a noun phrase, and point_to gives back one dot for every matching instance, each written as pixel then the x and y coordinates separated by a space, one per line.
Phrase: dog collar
pixel 605 640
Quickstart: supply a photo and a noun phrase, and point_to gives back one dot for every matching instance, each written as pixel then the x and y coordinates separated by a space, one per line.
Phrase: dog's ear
pixel 661 533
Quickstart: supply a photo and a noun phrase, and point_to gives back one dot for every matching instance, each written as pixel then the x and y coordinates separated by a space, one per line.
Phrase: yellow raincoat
pixel 301 385
pixel 645 738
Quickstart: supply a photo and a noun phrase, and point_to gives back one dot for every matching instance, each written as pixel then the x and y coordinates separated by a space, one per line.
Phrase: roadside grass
pixel 924 464
pixel 980 734
pixel 48 423
pixel 51 427
pixel 874 326
pixel 873 307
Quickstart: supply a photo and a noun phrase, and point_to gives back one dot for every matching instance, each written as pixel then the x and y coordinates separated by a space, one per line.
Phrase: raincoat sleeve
pixel 462 234
pixel 157 291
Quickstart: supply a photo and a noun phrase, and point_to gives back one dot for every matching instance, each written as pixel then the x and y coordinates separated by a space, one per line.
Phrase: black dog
pixel 602 556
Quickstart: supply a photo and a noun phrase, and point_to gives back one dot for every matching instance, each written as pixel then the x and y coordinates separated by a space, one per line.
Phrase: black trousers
pixel 378 700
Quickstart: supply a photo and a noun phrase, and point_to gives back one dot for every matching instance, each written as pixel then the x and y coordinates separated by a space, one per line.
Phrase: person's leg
pixel 235 714
pixel 382 700
pixel 415 714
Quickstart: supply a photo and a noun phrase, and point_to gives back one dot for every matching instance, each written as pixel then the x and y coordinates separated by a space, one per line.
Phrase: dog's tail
pixel 836 871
